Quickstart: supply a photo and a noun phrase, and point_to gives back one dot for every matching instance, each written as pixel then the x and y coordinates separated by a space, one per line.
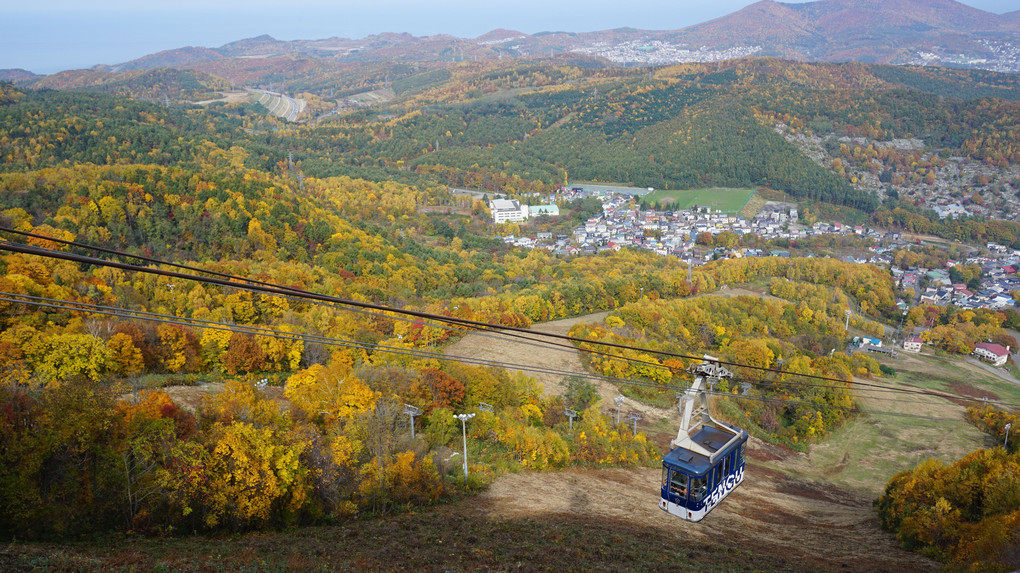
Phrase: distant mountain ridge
pixel 918 32
pixel 882 31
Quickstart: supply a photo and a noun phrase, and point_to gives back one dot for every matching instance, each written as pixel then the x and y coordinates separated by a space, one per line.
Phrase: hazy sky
pixel 45 36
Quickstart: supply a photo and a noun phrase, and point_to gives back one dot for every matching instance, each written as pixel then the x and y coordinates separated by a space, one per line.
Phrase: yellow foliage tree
pixel 253 473
pixel 407 479
pixel 241 401
pixel 281 353
pixel 125 358
pixel 330 391
pixel 177 347
pixel 74 355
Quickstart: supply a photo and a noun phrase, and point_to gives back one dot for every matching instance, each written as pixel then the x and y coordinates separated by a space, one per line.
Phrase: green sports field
pixel 723 199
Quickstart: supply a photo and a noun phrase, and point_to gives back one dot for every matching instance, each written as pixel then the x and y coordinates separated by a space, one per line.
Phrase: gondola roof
pixel 711 438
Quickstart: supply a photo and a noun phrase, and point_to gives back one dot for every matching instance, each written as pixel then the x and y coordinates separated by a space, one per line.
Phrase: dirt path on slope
pixel 492 347
pixel 796 511
pixel 794 524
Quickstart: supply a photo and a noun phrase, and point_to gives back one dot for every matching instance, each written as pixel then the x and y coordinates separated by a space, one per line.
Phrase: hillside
pixel 573 520
pixel 899 32
pixel 524 127
pixel 139 83
pixel 217 322
pixel 865 31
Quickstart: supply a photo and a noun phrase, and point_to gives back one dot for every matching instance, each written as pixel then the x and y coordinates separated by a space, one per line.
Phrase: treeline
pixel 681 128
pixel 965 514
pixel 965 229
pixel 958 330
pixel 155 84
pixel 663 133
pixel 980 128
pixel 795 338
pixel 870 287
pixel 80 456
pixel 64 128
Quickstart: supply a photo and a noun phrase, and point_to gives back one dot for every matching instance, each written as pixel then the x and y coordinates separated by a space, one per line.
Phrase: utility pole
pixel 463 423
pixel 412 411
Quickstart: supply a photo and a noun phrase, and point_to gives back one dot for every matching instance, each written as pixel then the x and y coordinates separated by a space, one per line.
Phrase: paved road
pixel 1016 350
pixel 1000 372
pixel 290 113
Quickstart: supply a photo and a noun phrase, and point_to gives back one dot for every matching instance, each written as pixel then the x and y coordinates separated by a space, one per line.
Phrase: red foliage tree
pixel 445 390
pixel 244 354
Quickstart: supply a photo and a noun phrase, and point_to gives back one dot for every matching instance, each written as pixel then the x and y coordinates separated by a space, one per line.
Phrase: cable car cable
pixel 283 291
pixel 262 331
pixel 488 327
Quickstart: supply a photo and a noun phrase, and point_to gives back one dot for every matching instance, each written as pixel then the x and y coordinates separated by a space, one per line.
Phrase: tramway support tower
pixel 706 461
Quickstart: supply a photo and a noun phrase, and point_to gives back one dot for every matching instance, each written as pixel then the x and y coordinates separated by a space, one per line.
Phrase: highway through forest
pixel 285 106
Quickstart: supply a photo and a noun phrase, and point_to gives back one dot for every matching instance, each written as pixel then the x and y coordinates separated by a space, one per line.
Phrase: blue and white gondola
pixel 706 460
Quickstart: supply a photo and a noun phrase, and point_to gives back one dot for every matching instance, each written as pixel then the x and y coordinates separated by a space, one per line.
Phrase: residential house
pixel 990 352
pixel 913 344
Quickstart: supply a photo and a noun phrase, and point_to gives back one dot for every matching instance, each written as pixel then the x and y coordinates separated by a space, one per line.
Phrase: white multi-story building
pixel 508 210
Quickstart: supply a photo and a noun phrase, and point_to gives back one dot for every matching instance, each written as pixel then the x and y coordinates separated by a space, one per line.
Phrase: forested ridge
pixel 519 127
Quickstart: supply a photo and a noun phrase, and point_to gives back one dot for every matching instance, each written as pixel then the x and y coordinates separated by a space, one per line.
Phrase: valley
pixel 429 303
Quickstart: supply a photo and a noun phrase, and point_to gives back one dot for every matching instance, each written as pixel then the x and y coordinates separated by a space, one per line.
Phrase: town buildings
pixel 623 224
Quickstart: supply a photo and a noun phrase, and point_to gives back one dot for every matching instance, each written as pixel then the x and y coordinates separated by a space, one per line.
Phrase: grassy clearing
pixel 955 376
pixel 724 199
pixel 899 430
pixel 753 205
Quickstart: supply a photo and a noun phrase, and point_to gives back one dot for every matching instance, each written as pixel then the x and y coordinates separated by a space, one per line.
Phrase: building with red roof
pixel 913 344
pixel 991 352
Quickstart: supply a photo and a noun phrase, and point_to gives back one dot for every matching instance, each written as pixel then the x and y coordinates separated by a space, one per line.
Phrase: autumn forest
pixel 216 321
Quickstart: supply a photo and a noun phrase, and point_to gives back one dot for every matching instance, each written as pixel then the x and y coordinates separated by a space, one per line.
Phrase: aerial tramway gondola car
pixel 706 460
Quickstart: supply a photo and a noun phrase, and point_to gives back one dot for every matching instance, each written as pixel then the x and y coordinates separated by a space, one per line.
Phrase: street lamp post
pixel 412 411
pixel 570 413
pixel 619 403
pixel 463 423
pixel 634 416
